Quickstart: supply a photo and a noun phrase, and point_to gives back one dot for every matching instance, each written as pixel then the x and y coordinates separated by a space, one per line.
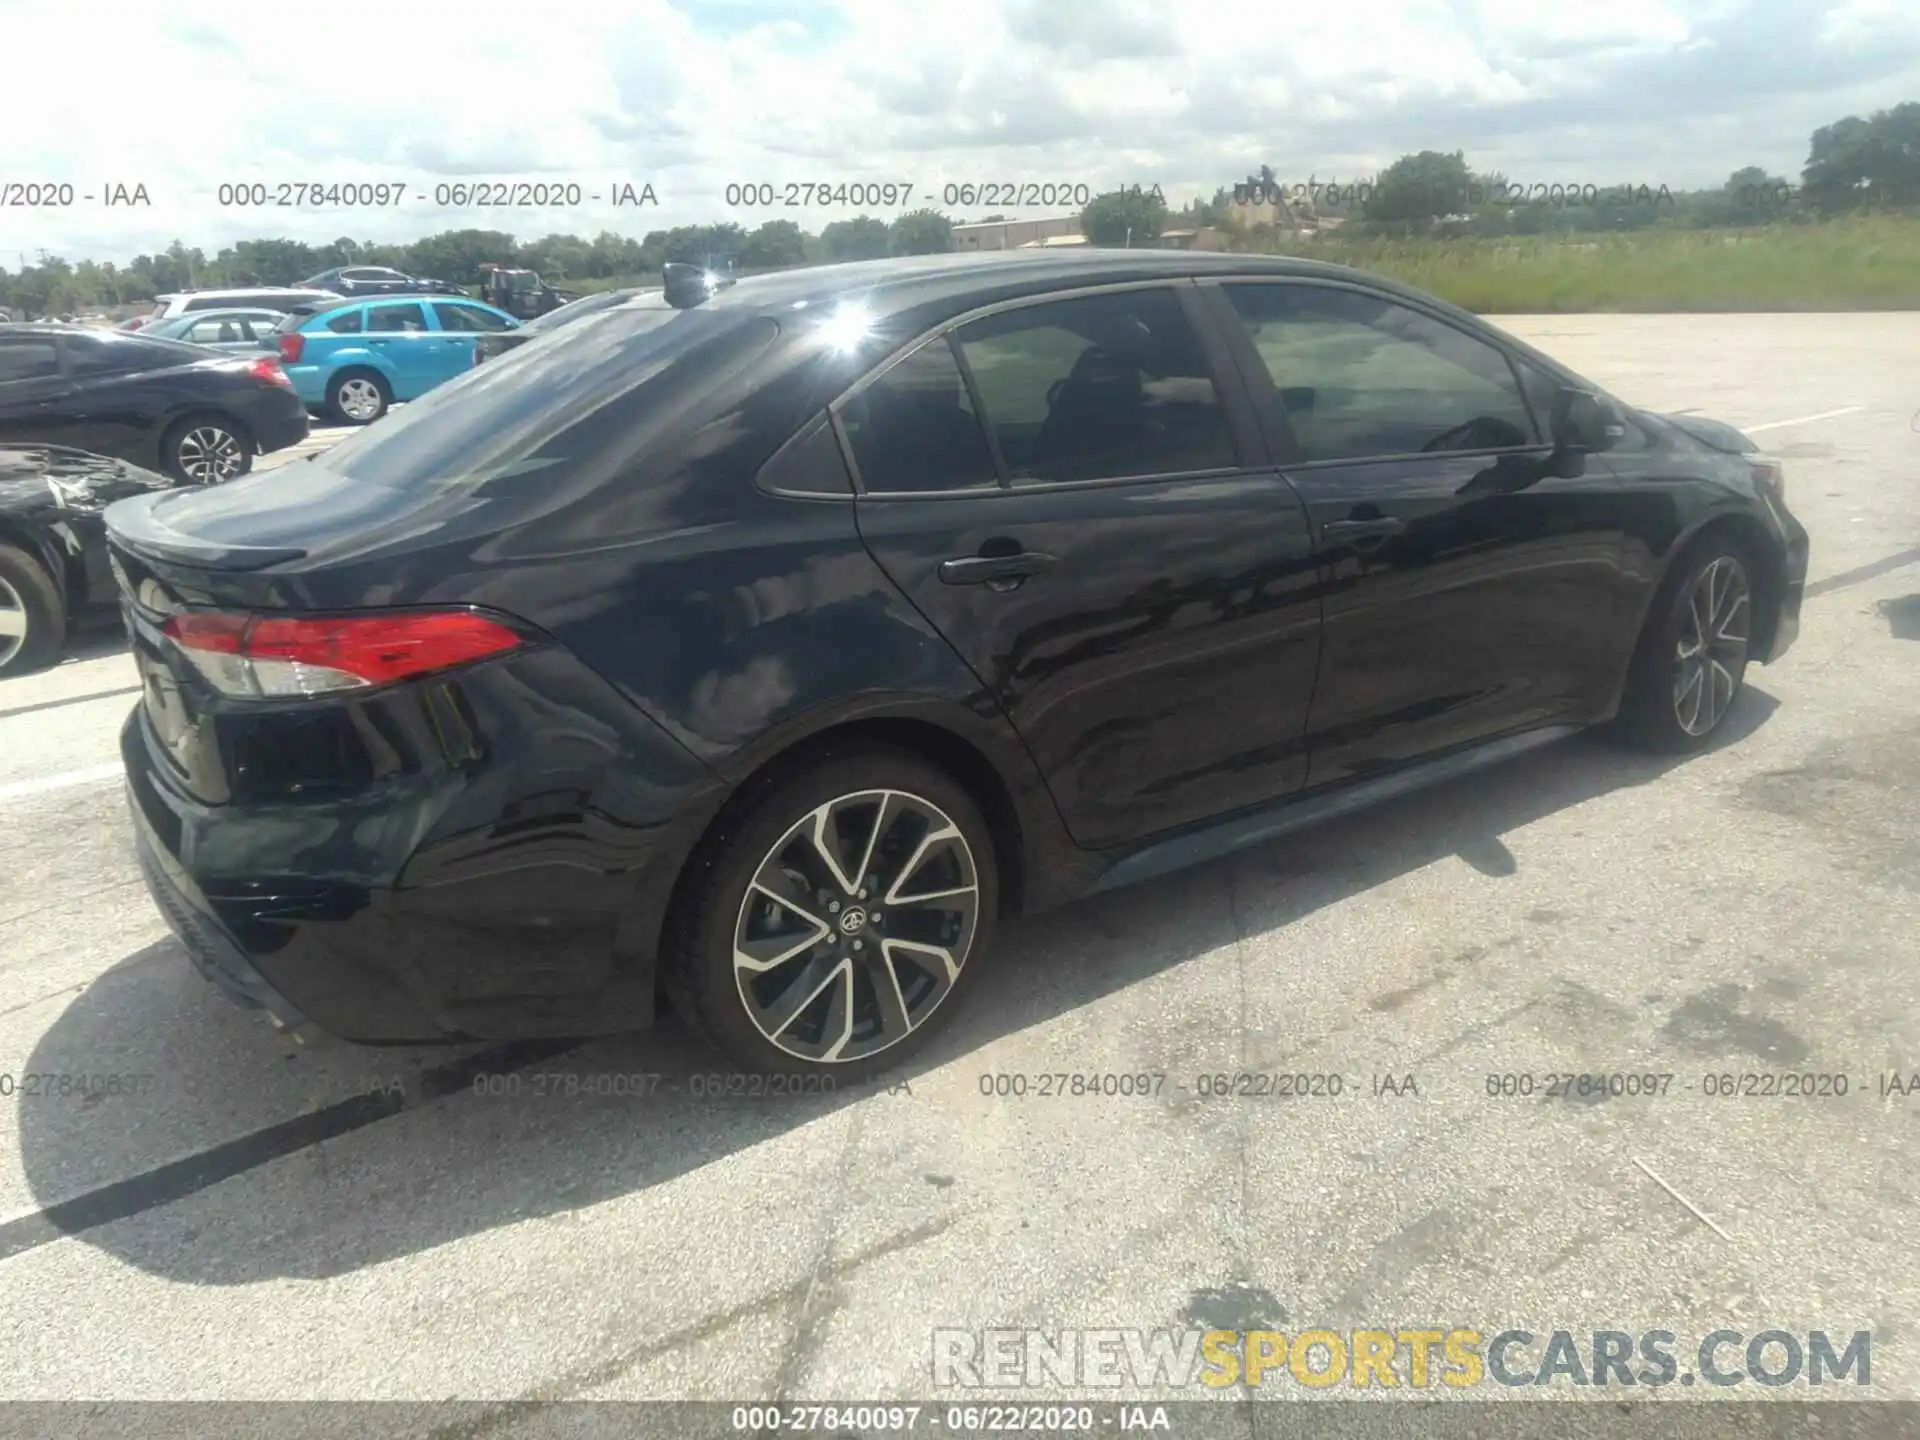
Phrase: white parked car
pixel 262 297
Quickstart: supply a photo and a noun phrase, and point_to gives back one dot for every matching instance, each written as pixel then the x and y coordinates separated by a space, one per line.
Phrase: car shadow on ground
pixel 164 1182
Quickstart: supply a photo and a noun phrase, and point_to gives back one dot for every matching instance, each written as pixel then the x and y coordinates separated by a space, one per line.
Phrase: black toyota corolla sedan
pixel 753 651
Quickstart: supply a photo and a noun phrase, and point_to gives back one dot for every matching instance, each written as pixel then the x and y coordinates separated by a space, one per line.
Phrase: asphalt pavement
pixel 255 1219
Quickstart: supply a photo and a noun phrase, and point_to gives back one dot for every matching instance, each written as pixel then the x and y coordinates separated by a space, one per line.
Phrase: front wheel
pixel 33 616
pixel 1692 659
pixel 828 926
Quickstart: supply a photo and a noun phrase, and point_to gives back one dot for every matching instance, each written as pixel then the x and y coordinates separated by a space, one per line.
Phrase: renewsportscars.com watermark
pixel 1415 1358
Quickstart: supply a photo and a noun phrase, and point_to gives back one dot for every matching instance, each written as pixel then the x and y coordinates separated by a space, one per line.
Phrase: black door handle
pixel 1362 529
pixel 1003 571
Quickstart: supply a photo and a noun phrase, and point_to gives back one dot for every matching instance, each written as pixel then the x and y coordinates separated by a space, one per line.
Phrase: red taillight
pixel 267 368
pixel 274 655
pixel 290 347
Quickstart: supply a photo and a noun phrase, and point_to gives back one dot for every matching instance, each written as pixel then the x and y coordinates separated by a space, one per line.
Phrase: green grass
pixel 1868 262
pixel 1861 263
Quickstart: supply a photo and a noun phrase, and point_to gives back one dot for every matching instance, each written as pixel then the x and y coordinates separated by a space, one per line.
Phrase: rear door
pixel 399 333
pixel 1470 589
pixel 118 392
pixel 31 390
pixel 1108 551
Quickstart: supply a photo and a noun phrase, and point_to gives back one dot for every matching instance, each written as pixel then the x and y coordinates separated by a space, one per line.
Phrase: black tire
pixel 206 449
pixel 1674 705
pixel 697 964
pixel 29 594
pixel 337 400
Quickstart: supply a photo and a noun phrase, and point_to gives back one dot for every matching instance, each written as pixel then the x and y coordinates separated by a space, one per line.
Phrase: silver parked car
pixel 230 330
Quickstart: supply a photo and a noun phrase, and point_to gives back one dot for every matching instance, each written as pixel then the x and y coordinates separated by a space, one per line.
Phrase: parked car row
pixel 756 649
pixel 197 415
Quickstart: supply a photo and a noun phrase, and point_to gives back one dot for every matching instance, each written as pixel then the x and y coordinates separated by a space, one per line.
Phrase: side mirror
pixel 1585 421
pixel 686 286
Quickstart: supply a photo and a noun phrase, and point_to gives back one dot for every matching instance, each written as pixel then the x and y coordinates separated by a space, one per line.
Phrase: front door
pixel 456 328
pixel 1132 587
pixel 1471 588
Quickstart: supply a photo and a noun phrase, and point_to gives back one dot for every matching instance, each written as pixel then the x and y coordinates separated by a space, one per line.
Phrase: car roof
pixel 198 315
pixel 237 290
pixel 901 283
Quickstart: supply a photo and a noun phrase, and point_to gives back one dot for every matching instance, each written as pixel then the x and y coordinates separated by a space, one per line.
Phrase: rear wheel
pixel 206 450
pixel 1692 659
pixel 358 397
pixel 33 615
pixel 830 924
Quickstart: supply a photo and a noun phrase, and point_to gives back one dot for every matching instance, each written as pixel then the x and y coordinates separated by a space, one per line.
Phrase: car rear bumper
pixel 279 420
pixel 509 882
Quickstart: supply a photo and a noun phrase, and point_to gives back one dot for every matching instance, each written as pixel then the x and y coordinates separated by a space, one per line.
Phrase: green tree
pixel 1125 217
pixel 776 243
pixel 1420 187
pixel 920 232
pixel 862 238
pixel 455 255
pixel 1853 162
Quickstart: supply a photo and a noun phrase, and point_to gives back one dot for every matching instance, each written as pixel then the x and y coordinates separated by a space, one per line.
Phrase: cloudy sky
pixel 183 95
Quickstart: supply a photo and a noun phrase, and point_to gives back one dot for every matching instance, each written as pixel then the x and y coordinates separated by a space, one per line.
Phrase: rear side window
pixel 914 429
pixel 89 356
pixel 347 322
pixel 396 319
pixel 1100 387
pixel 28 357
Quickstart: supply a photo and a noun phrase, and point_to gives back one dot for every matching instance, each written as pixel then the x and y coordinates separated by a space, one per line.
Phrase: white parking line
pixel 65 780
pixel 1805 419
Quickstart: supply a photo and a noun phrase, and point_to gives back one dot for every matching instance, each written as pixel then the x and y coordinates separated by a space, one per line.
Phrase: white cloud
pixel 1189 94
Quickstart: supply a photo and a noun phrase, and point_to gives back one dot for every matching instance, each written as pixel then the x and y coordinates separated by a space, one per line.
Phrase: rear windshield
pixel 560 397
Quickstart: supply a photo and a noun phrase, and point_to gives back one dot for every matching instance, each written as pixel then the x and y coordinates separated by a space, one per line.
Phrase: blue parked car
pixel 353 358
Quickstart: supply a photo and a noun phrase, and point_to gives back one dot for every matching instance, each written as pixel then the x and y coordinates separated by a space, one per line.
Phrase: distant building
pixel 1013 234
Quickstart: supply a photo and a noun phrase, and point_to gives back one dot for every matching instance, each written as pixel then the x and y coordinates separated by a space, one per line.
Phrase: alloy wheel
pixel 210 454
pixel 855 925
pixel 1712 645
pixel 359 399
pixel 13 622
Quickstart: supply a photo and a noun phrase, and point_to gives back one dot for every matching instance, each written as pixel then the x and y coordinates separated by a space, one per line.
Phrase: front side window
pixel 392 318
pixel 914 428
pixel 467 318
pixel 1099 387
pixel 1361 376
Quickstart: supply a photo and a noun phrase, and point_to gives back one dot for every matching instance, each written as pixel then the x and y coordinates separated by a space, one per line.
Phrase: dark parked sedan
pixel 160 404
pixel 357 282
pixel 54 572
pixel 760 653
